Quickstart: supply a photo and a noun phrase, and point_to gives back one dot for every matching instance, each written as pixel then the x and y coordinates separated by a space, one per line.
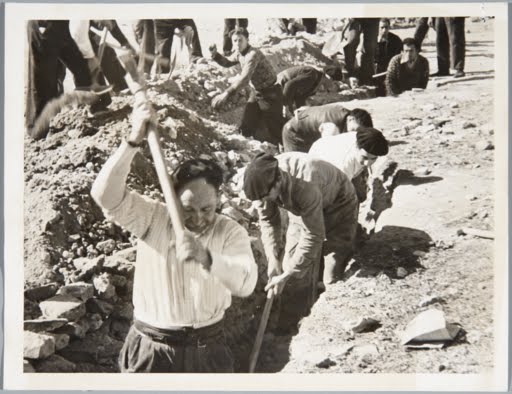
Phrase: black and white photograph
pixel 248 197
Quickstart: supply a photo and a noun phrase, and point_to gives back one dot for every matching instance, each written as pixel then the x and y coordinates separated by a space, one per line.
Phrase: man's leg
pixel 442 47
pixel 456 33
pixel 141 354
pixel 310 25
pixel 227 46
pixel 210 354
pixel 196 44
pixel 421 30
pixel 112 69
pixel 144 31
pixel 370 27
pixel 271 109
pixel 250 117
pixel 350 48
pixel 164 33
pixel 341 231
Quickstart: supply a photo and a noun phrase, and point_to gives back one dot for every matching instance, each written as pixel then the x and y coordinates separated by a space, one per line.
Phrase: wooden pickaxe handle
pixel 253 359
pixel 103 42
pixel 171 199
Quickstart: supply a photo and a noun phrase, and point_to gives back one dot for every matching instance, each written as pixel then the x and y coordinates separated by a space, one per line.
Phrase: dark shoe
pixel 440 74
pixel 459 74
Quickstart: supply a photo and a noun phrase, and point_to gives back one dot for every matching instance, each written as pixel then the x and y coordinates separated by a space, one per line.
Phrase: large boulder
pixel 63 306
pixel 81 290
pixel 40 325
pixel 36 345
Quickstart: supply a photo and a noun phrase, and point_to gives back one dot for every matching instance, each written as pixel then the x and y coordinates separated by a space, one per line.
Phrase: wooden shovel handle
pixel 253 359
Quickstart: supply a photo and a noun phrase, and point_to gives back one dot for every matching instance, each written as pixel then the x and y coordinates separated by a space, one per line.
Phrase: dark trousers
pixel 144 30
pixel 310 25
pixel 298 89
pixel 150 349
pixel 164 34
pixel 110 65
pixel 421 30
pixel 294 141
pixel 47 52
pixel 450 44
pixel 229 26
pixel 369 27
pixel 264 106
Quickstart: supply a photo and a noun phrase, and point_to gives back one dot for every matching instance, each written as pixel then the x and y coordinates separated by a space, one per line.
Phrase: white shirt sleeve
pixel 79 29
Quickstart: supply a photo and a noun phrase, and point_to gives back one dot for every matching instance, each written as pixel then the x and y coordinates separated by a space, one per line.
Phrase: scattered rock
pixel 96 305
pixel 468 125
pixel 484 145
pixel 423 171
pixel 365 324
pixel 81 290
pixel 93 321
pixel 124 312
pixel 429 107
pixel 61 340
pixel 41 325
pixel 55 363
pixel 36 345
pixel 27 367
pixel 473 336
pixel 430 300
pixel 74 329
pixel 104 287
pixel 106 247
pixel 454 105
pixel 88 266
pixel 429 329
pixel 63 306
pixel 41 293
pixel 471 197
pixel 401 272
pixel 326 363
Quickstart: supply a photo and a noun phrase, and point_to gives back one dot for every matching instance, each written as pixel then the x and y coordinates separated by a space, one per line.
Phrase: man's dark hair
pixel 411 42
pixel 239 31
pixel 385 20
pixel 196 169
pixel 362 116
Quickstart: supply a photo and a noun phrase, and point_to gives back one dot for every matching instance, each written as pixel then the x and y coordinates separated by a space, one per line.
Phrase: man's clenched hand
pixel 143 117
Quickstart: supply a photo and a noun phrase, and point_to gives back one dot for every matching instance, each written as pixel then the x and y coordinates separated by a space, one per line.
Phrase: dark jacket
pixel 386 49
pixel 301 131
pixel 400 77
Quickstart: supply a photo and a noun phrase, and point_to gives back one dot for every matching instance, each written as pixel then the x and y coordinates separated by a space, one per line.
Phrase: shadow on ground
pixel 389 249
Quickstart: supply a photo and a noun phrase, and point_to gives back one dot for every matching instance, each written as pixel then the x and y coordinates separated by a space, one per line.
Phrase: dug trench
pixel 79 267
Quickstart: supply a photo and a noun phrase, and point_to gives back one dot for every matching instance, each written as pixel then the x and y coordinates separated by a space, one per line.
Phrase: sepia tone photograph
pixel 260 195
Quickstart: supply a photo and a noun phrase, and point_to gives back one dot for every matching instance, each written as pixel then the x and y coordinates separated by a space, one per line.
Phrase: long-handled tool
pixel 253 359
pixel 171 200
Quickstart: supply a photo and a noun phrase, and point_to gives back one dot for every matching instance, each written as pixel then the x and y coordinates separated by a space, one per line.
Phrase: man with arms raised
pixel 182 287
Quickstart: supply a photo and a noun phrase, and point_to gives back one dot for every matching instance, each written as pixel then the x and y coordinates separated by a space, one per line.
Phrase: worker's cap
pixel 260 176
pixel 372 141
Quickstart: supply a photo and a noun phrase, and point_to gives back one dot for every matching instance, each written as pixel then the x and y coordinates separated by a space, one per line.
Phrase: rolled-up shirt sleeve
pixel 270 226
pixel 312 235
pixel 235 266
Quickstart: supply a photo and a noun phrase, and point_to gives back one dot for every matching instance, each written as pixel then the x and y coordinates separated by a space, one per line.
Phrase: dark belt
pixel 180 335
